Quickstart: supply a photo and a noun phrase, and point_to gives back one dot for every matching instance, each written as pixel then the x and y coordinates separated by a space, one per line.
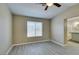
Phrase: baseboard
pixel 9 50
pixel 57 43
pixel 31 42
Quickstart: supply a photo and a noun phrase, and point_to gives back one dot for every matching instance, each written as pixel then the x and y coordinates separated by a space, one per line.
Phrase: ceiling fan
pixel 50 4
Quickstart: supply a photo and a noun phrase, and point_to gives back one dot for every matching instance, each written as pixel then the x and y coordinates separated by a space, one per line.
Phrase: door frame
pixel 65 31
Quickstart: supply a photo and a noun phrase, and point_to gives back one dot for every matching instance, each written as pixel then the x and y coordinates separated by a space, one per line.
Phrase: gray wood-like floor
pixel 45 48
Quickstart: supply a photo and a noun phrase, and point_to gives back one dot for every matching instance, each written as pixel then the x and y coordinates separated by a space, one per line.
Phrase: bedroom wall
pixel 57 24
pixel 20 26
pixel 5 29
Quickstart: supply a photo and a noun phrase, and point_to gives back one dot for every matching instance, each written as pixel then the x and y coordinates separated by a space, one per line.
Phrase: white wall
pixel 57 23
pixel 5 29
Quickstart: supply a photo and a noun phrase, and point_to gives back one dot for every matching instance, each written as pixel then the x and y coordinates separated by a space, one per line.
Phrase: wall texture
pixel 57 23
pixel 20 30
pixel 5 29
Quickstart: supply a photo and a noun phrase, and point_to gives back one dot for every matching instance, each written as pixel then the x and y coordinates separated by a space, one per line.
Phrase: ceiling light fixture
pixel 49 4
pixel 76 23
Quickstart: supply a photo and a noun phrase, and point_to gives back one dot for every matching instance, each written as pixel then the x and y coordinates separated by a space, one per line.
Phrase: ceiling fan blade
pixel 57 4
pixel 46 8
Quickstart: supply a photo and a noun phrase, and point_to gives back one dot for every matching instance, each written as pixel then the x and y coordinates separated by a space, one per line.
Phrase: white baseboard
pixel 30 42
pixel 9 50
pixel 57 43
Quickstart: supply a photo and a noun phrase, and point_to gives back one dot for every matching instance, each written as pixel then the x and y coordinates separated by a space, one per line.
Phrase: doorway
pixel 71 31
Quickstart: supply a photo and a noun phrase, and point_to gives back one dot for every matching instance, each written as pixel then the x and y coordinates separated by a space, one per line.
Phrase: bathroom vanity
pixel 75 36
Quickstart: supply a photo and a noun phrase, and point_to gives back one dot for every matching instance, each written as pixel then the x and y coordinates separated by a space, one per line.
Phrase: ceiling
pixel 37 10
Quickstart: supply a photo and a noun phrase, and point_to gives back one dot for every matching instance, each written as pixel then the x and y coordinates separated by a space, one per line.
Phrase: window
pixel 34 29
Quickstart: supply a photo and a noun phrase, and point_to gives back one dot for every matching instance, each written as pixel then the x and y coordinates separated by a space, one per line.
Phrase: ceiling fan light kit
pixel 50 4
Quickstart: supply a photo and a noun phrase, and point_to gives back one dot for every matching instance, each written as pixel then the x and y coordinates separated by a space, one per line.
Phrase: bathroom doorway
pixel 71 30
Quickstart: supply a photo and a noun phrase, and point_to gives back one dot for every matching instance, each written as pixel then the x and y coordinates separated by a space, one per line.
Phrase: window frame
pixel 35 29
